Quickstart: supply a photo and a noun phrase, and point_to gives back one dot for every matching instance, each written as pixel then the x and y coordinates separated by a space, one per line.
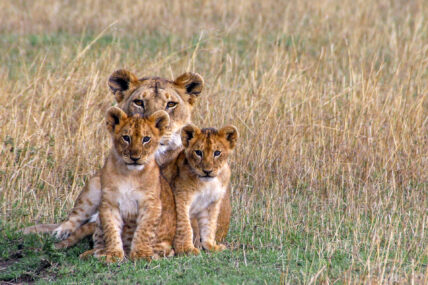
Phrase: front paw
pixel 212 246
pixel 111 256
pixel 181 249
pixel 87 254
pixel 146 254
pixel 64 230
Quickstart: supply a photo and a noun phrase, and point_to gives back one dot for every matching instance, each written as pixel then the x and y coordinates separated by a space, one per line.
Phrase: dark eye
pixel 126 139
pixel 171 104
pixel 139 102
pixel 198 153
pixel 146 139
pixel 217 153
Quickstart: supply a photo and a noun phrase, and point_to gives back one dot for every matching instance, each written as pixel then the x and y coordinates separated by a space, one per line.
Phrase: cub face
pixel 136 138
pixel 150 94
pixel 207 149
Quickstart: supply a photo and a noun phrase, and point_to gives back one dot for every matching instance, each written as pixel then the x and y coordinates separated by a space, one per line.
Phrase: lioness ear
pixel 161 120
pixel 120 81
pixel 192 83
pixel 115 116
pixel 230 133
pixel 188 132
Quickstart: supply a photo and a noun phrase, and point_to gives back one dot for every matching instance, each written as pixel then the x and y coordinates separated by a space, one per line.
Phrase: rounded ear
pixel 192 83
pixel 115 116
pixel 120 81
pixel 188 132
pixel 161 120
pixel 230 133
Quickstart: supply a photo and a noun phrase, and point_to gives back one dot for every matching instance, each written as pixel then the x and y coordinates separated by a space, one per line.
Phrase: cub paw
pixel 214 247
pixel 180 250
pixel 164 249
pixel 141 254
pixel 112 256
pixel 87 254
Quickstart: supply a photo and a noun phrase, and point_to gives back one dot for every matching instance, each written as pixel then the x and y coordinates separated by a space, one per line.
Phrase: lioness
pixel 199 177
pixel 132 186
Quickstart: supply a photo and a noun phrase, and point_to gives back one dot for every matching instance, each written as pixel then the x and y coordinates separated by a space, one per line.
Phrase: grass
pixel 330 177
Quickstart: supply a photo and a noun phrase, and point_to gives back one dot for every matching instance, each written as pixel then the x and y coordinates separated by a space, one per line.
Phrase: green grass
pixel 33 258
pixel 256 256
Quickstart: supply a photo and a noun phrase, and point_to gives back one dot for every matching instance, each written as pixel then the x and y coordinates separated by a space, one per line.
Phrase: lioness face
pixel 148 95
pixel 207 150
pixel 136 138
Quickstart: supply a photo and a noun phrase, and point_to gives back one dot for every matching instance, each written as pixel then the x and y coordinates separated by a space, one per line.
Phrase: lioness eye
pixel 126 139
pixel 171 104
pixel 217 153
pixel 139 103
pixel 146 139
pixel 198 153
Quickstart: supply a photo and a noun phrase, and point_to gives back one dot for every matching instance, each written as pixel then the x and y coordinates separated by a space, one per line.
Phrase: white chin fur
pixel 206 179
pixel 135 167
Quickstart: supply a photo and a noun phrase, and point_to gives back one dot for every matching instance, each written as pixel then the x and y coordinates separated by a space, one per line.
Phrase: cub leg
pixel 224 215
pixel 111 224
pixel 167 224
pixel 183 242
pixel 144 236
pixel 85 206
pixel 207 221
pixel 99 246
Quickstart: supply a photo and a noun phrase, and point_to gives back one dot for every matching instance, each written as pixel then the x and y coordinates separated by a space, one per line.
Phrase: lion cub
pixel 132 186
pixel 199 177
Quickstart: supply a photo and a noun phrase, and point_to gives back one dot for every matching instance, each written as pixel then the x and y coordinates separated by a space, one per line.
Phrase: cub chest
pixel 210 192
pixel 127 198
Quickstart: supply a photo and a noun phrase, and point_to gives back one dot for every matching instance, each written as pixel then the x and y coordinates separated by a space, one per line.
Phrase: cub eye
pixel 217 153
pixel 171 105
pixel 146 139
pixel 126 139
pixel 198 153
pixel 139 103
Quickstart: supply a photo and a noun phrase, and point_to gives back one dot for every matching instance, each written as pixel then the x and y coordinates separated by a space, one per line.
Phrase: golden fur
pixel 131 185
pixel 140 96
pixel 200 177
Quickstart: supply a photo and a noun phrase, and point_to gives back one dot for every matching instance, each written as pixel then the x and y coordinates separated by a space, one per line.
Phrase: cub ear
pixel 115 116
pixel 161 120
pixel 230 133
pixel 192 83
pixel 120 81
pixel 188 132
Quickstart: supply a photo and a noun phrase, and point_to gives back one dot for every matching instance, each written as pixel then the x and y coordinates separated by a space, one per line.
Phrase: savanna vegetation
pixel 330 176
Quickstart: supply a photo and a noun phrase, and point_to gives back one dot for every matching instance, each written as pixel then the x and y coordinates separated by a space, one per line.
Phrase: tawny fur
pixel 142 96
pixel 200 178
pixel 131 191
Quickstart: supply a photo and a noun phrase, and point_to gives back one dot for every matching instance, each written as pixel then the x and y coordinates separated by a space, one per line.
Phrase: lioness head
pixel 207 149
pixel 150 94
pixel 136 138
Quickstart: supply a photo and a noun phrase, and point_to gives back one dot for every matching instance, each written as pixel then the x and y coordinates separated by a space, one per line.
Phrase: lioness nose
pixel 207 172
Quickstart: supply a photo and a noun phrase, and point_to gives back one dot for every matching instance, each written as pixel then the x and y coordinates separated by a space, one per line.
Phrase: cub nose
pixel 135 158
pixel 207 172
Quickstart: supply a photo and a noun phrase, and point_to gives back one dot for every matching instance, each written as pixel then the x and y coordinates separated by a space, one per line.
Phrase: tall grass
pixel 330 98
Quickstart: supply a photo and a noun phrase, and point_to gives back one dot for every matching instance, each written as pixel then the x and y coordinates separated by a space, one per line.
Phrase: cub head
pixel 136 138
pixel 207 149
pixel 150 94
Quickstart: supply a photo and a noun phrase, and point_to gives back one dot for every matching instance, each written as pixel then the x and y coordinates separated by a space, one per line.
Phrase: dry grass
pixel 330 98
